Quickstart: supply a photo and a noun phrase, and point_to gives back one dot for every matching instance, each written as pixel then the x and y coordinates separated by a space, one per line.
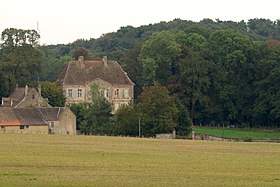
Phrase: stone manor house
pixel 114 84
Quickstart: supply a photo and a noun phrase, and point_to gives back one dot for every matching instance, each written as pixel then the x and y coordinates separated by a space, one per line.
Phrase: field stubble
pixel 54 160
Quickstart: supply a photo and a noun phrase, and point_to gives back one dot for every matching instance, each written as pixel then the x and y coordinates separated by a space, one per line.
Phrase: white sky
pixel 64 21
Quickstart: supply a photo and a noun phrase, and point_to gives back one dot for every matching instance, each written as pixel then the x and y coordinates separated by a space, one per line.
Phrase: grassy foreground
pixel 239 133
pixel 55 160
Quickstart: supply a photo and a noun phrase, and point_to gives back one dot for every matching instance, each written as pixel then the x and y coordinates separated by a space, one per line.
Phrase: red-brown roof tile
pixel 81 72
pixel 7 117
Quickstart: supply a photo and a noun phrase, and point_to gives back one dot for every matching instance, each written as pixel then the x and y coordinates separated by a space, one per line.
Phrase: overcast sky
pixel 64 21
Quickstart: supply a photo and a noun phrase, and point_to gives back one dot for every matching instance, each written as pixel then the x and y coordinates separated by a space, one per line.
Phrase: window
pixel 21 127
pixel 27 126
pixel 117 92
pixel 2 127
pixel 80 93
pixel 70 93
pixel 106 93
pixel 125 94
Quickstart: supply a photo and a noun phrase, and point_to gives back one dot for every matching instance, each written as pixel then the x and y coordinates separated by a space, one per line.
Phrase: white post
pixel 139 128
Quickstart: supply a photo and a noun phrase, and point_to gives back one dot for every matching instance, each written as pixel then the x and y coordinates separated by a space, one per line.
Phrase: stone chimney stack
pixel 81 61
pixel 105 61
pixel 39 89
pixel 25 90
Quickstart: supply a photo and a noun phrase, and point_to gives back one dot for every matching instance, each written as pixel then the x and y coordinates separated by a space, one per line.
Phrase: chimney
pixel 25 90
pixel 81 59
pixel 39 89
pixel 105 61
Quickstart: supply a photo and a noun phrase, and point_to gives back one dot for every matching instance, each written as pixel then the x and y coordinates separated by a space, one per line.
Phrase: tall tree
pixel 19 56
pixel 13 37
pixel 81 52
pixel 232 52
pixel 97 113
pixel 192 81
pixel 160 50
pixel 54 94
pixel 184 126
pixel 126 121
pixel 158 110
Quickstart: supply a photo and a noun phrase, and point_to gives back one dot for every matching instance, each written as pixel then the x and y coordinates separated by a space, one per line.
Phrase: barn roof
pixel 29 116
pixel 7 117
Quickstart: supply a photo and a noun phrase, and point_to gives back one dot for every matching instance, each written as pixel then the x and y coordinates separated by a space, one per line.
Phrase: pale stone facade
pixel 118 95
pixel 113 82
pixel 64 124
pixel 38 129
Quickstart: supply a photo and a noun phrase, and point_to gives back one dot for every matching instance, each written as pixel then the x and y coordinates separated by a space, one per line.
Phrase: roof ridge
pixel 66 73
pixel 20 102
pixel 58 112
pixel 113 73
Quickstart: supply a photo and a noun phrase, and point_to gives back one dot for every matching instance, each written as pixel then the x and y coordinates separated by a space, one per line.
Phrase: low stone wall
pixel 197 136
pixel 165 136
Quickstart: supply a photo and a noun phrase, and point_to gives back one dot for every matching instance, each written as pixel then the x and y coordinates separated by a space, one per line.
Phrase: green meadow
pixel 56 160
pixel 239 133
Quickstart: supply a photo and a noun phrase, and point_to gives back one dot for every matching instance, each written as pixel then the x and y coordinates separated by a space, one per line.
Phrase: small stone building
pixel 114 84
pixel 60 120
pixel 37 120
pixel 25 98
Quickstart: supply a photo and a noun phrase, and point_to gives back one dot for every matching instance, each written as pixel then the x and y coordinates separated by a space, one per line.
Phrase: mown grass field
pixel 56 160
pixel 239 133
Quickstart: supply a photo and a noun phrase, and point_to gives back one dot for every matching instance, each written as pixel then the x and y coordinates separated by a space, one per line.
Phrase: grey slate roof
pixel 29 116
